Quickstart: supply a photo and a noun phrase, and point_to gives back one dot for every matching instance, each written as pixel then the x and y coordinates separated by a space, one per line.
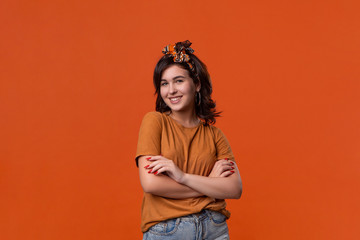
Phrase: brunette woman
pixel 186 166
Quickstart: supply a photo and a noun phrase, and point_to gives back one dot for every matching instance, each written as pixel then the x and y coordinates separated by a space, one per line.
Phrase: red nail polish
pixel 146 166
pixel 232 163
pixel 155 172
pixel 148 158
pixel 232 167
pixel 232 171
pixel 226 159
pixel 149 171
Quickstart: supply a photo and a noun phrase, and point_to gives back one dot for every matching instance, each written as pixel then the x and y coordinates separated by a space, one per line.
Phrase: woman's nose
pixel 172 89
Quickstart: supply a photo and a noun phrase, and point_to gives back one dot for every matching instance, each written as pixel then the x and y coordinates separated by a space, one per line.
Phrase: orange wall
pixel 76 80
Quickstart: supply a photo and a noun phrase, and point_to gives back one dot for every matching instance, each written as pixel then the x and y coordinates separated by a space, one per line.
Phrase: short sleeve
pixel 149 141
pixel 223 149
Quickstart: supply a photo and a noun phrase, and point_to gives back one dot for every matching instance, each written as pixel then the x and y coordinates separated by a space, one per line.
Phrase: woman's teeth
pixel 175 100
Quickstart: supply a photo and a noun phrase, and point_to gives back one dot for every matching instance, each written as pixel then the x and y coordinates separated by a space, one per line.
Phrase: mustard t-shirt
pixel 194 150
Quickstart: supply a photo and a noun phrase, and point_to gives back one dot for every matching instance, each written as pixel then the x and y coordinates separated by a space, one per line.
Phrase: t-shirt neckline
pixel 180 125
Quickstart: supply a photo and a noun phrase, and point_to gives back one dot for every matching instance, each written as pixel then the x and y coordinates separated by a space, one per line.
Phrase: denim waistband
pixel 199 216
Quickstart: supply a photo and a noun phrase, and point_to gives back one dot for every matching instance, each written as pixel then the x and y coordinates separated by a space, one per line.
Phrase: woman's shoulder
pixel 217 132
pixel 153 116
pixel 212 128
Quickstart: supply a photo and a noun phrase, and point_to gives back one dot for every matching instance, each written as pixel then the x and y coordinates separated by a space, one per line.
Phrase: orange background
pixel 76 80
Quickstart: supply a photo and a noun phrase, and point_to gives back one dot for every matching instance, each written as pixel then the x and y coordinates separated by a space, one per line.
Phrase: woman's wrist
pixel 183 179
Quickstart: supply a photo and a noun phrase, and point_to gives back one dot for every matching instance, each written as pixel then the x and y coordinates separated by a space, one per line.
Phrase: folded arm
pixel 219 187
pixel 163 185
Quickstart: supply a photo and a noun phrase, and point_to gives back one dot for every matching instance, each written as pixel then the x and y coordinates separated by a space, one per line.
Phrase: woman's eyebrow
pixel 174 78
pixel 180 76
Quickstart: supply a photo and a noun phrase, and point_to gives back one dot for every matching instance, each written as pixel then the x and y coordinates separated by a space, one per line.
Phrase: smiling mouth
pixel 175 99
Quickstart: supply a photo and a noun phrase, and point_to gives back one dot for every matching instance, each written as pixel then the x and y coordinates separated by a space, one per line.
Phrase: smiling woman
pixel 178 91
pixel 181 56
pixel 186 166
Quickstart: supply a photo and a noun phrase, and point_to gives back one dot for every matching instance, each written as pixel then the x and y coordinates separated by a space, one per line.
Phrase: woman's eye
pixel 163 84
pixel 179 80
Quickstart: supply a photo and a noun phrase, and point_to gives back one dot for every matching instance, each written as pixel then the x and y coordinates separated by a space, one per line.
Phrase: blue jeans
pixel 207 224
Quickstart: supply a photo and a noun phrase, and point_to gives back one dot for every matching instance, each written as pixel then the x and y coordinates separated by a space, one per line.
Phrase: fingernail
pixel 146 166
pixel 232 167
pixel 226 159
pixel 155 172
pixel 149 171
pixel 232 163
pixel 232 171
pixel 148 158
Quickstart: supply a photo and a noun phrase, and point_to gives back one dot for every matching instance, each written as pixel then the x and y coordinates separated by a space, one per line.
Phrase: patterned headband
pixel 178 51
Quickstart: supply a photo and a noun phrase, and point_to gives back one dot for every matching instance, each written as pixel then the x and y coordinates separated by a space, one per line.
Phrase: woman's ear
pixel 198 87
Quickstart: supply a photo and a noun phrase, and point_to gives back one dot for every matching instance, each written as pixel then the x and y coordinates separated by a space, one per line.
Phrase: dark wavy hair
pixel 206 109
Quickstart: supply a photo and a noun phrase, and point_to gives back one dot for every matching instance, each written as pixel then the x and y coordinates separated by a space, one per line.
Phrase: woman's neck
pixel 187 119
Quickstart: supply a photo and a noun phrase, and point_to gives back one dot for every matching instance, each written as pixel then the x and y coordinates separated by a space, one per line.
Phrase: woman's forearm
pixel 216 187
pixel 162 185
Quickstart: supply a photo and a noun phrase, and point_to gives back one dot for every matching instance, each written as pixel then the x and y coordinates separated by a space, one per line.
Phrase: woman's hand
pixel 160 164
pixel 222 168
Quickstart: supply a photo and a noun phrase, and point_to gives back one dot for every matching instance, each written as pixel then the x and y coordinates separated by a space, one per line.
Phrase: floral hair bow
pixel 178 51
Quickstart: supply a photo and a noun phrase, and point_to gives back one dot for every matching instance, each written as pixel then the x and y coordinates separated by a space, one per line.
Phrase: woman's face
pixel 177 89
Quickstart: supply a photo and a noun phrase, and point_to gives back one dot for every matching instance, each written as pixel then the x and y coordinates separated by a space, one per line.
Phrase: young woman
pixel 186 165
